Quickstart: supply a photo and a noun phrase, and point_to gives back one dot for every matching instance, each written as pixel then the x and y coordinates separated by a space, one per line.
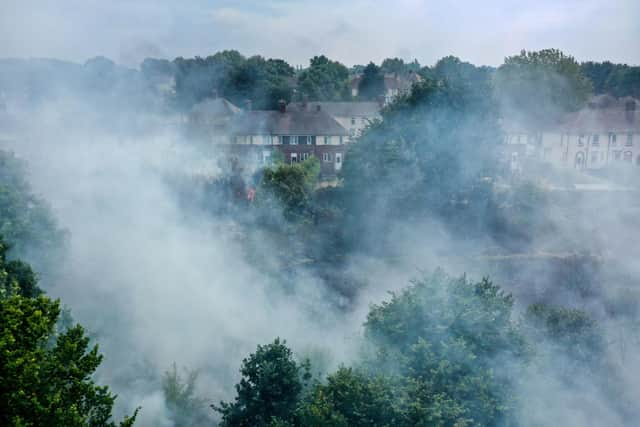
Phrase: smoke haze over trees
pixel 424 286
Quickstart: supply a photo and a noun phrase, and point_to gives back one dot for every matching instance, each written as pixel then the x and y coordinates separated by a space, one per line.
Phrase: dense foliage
pixel 539 86
pixel 271 384
pixel 324 80
pixel 26 220
pixel 229 74
pixel 371 85
pixel 45 373
pixel 432 359
pixel 613 79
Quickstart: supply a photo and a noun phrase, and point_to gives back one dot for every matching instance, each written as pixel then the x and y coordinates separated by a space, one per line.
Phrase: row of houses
pixel 297 130
pixel 605 133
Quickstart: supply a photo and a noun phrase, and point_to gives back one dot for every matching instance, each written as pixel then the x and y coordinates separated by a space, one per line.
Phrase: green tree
pixel 539 86
pixel 371 85
pixel 186 409
pixel 230 74
pixel 567 331
pixel 16 277
pixel 270 388
pixel 287 189
pixel 26 221
pixel 350 398
pixel 324 80
pixel 432 146
pixel 613 79
pixel 443 336
pixel 43 384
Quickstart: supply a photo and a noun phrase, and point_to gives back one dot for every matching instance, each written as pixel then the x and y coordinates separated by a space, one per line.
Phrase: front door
pixel 338 161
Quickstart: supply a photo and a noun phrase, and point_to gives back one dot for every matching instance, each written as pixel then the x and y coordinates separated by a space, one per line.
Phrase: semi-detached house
pixel 296 132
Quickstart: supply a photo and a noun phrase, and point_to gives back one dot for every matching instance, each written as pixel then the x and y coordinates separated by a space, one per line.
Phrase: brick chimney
pixel 282 106
pixel 630 110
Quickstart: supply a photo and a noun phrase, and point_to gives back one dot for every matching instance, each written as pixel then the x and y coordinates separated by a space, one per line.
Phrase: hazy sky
pixel 483 32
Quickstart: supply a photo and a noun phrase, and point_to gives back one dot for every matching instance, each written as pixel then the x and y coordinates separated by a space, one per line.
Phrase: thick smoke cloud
pixel 156 282
pixel 153 283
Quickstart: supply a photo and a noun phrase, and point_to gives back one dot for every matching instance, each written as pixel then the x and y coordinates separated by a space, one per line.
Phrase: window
pixel 305 156
pixel 327 140
pixel 580 140
pixel 267 139
pixel 629 142
pixel 326 157
pixel 313 140
pixel 627 156
pixel 338 158
pixel 294 140
pixel 353 121
pixel 341 140
pixel 595 140
pixel 251 139
pixel 305 139
pixel 266 156
pixel 286 140
pixel 294 157
pixel 612 138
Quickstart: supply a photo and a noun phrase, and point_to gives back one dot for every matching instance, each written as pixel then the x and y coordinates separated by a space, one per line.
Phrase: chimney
pixel 282 106
pixel 305 102
pixel 248 105
pixel 630 105
pixel 630 109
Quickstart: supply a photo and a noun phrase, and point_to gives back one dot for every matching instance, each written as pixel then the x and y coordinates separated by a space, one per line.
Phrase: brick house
pixel 605 133
pixel 297 133
pixel 353 116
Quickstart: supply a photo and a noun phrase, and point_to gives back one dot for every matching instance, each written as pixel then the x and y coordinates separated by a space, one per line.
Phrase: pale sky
pixel 357 31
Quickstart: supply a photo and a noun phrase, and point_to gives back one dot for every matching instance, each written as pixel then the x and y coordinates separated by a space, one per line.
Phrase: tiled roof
pixel 290 122
pixel 343 109
pixel 605 114
pixel 215 107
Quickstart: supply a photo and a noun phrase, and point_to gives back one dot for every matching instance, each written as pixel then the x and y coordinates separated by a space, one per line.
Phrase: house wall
pixel 356 129
pixel 331 155
pixel 584 151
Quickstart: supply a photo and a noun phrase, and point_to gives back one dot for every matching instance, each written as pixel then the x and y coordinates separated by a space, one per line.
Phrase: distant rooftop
pixel 342 109
pixel 290 122
pixel 215 107
pixel 605 113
